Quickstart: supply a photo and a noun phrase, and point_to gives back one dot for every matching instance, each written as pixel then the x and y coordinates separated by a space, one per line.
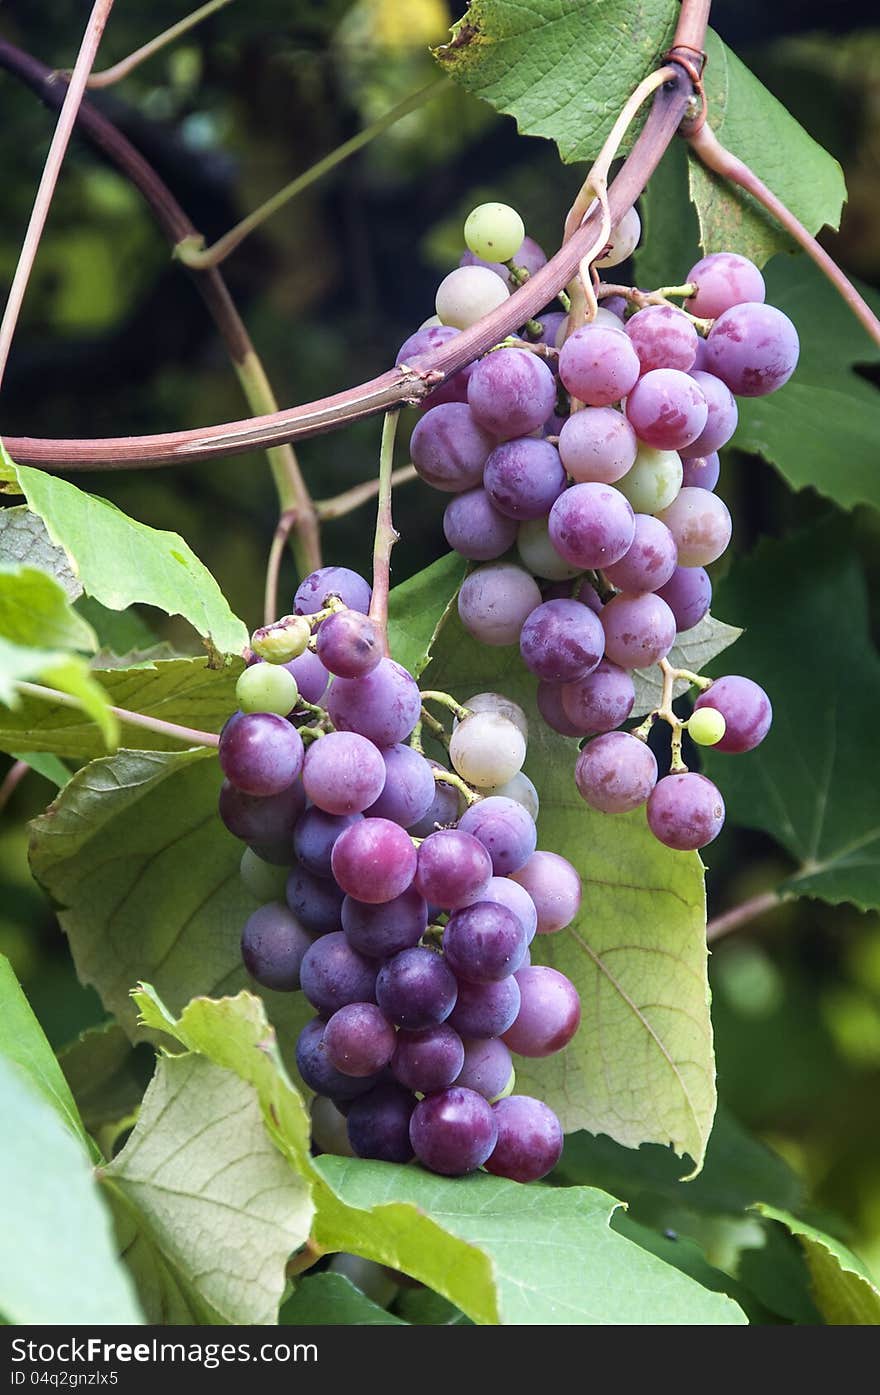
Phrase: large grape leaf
pixel 332 1300
pixel 811 784
pixel 641 1067
pixel 24 539
pixel 35 609
pixel 185 691
pixel 845 1292
pixel 120 561
pixel 500 1251
pixel 106 1074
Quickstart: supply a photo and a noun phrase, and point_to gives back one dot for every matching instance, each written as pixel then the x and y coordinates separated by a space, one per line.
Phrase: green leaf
pixel 844 1291
pixel 106 1074
pixel 185 691
pixel 562 71
pixel 670 233
pixel 24 540
pixel 791 428
pixel 641 1067
pixel 327 1300
pixel 418 606
pixel 23 1043
pixel 692 650
pixel 120 631
pixel 49 766
pixel 69 673
pixel 35 610
pixel 57 1254
pixel 210 1192
pixel 120 561
pixel 755 127
pixel 807 784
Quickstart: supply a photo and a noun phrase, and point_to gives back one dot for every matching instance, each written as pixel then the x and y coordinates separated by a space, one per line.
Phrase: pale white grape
pixel 467 294
pixel 623 241
pixel 487 749
pixel 538 553
pixel 497 702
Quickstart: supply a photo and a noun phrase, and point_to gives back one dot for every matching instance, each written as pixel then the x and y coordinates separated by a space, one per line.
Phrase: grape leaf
pixel 416 608
pixel 641 1067
pixel 185 691
pixel 809 783
pixel 106 1074
pixel 120 561
pixel 757 128
pixel 57 1256
pixel 49 766
pixel 670 232
pixel 23 1043
pixel 792 428
pixel 206 1187
pixel 562 71
pixel 24 539
pixel 68 673
pixel 327 1300
pixel 35 610
pixel 693 650
pixel 502 1252
pixel 844 1290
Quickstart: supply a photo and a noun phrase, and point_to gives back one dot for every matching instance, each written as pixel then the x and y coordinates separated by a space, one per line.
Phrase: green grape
pixel 706 726
pixel 267 688
pixel 262 879
pixel 283 641
pixel 653 481
pixel 508 1089
pixel 538 554
pixel 494 231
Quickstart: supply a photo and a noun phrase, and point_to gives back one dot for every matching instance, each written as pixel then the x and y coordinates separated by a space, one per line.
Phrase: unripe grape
pixel 700 524
pixel 267 688
pixel 504 706
pixel 623 241
pixel 706 727
pixel 263 879
pixel 487 749
pixel 283 641
pixel 467 294
pixel 536 550
pixel 654 480
pixel 494 231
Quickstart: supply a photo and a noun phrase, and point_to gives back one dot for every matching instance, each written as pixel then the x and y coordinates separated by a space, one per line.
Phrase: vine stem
pixel 131 719
pixel 192 251
pixel 352 499
pixel 285 526
pixel 740 915
pixel 715 156
pixel 11 781
pixel 386 533
pixel 49 178
pixel 106 77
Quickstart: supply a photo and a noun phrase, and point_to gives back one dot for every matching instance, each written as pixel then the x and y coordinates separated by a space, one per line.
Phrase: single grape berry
pixel 503 891
pixel 273 945
pixel 706 726
pixel 745 708
pixel 555 887
pixel 282 641
pixel 318 1071
pixel 598 365
pixel 623 241
pixel 663 337
pixel 453 869
pixel 639 630
pixel 667 409
pixel 529 1139
pixel 374 860
pixel 505 829
pixel 487 1067
pixel 333 974
pixel 453 1132
pixel 343 773
pixel 382 706
pixel 314 836
pixel 484 943
pixel 700 524
pixel 685 811
pixel 382 930
pixel 650 560
pixel 597 445
pixel 467 294
pixel 549 1014
pixel 474 527
pixel 600 701
pixel 524 477
pixel 592 525
pixel 449 448
pixel 503 706
pixel 428 1060
pixel 359 1040
pixel 485 1009
pixel 314 592
pixel 616 772
pixel 511 393
pixel 654 480
pixel 486 748
pixel 494 600
pixel 349 644
pixel 752 348
pixel 378 1124
pixel 416 989
pixel 723 279
pixel 315 901
pixel 494 231
pixel 562 640
pixel 260 753
pixel 688 593
pixel 268 819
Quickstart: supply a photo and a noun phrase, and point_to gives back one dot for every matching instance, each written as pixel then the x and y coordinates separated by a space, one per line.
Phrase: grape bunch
pixel 401 896
pixel 582 462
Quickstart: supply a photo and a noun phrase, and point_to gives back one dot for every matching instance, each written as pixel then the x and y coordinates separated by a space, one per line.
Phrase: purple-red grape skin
pixel 511 393
pixel 487 1066
pixel 561 640
pixel 428 1060
pixel 416 989
pixel 592 525
pixel 473 526
pixel 312 593
pixel 599 702
pixel 260 753
pixel 314 836
pixel 374 860
pixel 343 773
pixel 723 279
pixel 382 930
pixel 408 791
pixel 688 593
pixel 268 819
pixel 598 365
pixel 685 811
pixel 700 471
pixel 506 830
pixel 550 706
pixel 453 1132
pixel 549 1014
pixel 616 772
pixel 453 869
pixel 273 945
pixel 667 409
pixel 484 943
pixel 663 337
pixel 745 708
pixel 449 448
pixel 315 901
pixel 349 644
pixel 753 348
pixel 639 630
pixel 529 1142
pixel 485 1009
pixel 378 1124
pixel 359 1040
pixel 383 706
pixel 524 477
pixel 555 887
pixel 597 445
pixel 333 974
pixel 318 1071
pixel 650 560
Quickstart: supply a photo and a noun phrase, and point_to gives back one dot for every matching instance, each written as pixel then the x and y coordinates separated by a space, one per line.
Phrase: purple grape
pixel 382 930
pixel 409 787
pixel 314 836
pixel 378 1124
pixel 501 891
pixel 616 772
pixel 268 819
pixel 260 753
pixel 487 1067
pixel 588 595
pixel 721 421
pixel 562 640
pixel 651 558
pixel 333 974
pixel 700 363
pixel 639 630
pixel 474 527
pixel 453 1132
pixel 529 1139
pixel 416 989
pixel 505 829
pixel 554 886
pixel 449 448
pixel 315 901
pixel 663 337
pixel 550 321
pixel 343 772
pixel 312 593
pixel 311 676
pixel 531 256
pixel 592 525
pixel 549 699
pixel 598 365
pixel 359 1040
pixel 700 471
pixel 469 258
pixel 272 946
pixel 383 706
pixel 428 1060
pixel 349 644
pixel 723 279
pixel 511 393
pixel 667 409
pixel 454 389
pixel 549 1015
pixel 753 349
pixel 745 708
pixel 597 445
pixel 700 523
pixel 485 1009
pixel 453 869
pixel 484 942
pixel 494 601
pixel 600 701
pixel 524 477
pixel 374 860
pixel 688 593
pixel 443 809
pixel 685 811
pixel 317 1070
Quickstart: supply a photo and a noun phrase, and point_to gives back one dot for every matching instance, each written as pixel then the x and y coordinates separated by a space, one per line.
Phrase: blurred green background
pixel 113 339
